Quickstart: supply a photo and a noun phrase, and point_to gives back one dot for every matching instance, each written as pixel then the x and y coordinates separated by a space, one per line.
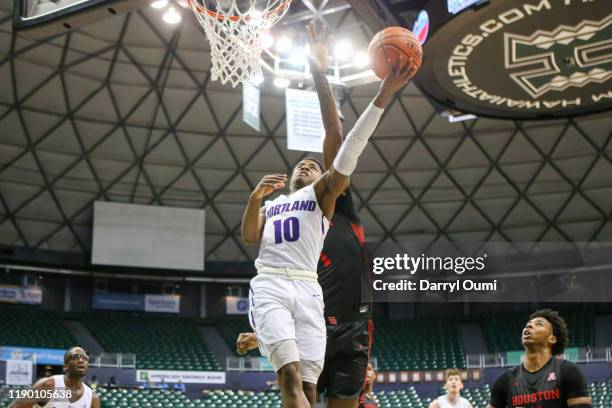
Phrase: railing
pixel 120 360
pixel 259 364
pixel 512 358
pixel 243 364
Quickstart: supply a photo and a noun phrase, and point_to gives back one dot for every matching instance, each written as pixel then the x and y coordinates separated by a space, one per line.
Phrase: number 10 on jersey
pixel 289 229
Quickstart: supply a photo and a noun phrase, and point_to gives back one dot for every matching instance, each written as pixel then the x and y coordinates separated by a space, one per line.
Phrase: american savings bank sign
pixel 529 59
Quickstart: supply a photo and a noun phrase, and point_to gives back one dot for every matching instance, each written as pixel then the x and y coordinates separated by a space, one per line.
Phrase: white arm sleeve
pixel 357 139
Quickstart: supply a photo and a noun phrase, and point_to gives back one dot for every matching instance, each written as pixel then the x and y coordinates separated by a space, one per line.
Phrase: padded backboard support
pixel 38 19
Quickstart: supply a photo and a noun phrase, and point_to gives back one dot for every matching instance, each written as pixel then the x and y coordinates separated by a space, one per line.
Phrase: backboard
pixel 39 19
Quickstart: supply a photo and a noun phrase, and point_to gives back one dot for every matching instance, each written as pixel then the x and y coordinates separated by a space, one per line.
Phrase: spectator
pixel 179 386
pixel 367 399
pixel 94 383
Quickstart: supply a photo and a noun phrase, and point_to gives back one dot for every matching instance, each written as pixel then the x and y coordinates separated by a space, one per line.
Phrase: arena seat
pixel 136 398
pixel 423 344
pixel 502 332
pixel 601 392
pixel 406 398
pixel 238 399
pixel 230 329
pixel 28 327
pixel 479 397
pixel 159 342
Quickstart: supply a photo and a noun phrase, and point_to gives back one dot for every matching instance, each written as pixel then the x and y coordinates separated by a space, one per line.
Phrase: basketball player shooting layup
pixel 543 380
pixel 286 301
pixel 342 265
pixel 64 391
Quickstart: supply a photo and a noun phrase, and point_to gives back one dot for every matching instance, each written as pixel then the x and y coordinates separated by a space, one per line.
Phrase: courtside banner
pixel 136 302
pixel 16 294
pixel 118 301
pixel 185 377
pixel 162 303
pixel 235 305
pixel 18 372
pixel 39 355
pixel 305 131
pixel 489 272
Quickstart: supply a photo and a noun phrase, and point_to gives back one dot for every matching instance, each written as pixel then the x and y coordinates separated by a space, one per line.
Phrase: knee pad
pixel 311 370
pixel 282 353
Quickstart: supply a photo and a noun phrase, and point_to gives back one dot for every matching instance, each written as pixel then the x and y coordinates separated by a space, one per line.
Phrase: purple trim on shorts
pixel 252 305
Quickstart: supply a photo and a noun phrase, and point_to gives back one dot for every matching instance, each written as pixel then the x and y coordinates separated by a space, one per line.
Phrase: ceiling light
pixel 284 44
pixel 362 59
pixel 281 82
pixel 158 4
pixel 298 56
pixel 343 50
pixel 172 16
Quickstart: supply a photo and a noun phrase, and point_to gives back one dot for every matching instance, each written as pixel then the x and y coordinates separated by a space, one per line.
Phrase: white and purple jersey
pixel 444 402
pixel 294 232
pixel 62 391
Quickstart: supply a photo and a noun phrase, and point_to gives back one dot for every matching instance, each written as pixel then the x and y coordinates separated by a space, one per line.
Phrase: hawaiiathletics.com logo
pixel 569 56
pixel 533 59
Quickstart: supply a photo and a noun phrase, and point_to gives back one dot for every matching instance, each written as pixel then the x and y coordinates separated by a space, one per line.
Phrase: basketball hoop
pixel 236 33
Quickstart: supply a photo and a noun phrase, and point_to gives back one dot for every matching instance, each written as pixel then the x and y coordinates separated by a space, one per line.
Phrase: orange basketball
pixel 389 44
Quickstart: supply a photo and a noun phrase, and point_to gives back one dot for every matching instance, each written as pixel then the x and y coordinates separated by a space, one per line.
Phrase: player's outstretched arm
pixel 434 404
pixel 580 402
pixel 319 41
pixel 335 180
pixel 253 219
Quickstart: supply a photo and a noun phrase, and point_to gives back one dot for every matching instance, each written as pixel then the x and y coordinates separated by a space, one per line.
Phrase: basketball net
pixel 236 34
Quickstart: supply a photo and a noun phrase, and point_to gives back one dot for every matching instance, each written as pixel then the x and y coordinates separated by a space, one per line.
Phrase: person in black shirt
pixel 543 380
pixel 342 265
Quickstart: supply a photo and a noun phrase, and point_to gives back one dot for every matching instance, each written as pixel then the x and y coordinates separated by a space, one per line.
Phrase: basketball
pixel 391 43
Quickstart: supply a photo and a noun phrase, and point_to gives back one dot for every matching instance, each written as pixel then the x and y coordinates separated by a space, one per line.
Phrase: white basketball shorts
pixel 288 309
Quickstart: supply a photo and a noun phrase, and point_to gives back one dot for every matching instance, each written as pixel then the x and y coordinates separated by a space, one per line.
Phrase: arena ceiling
pixel 125 111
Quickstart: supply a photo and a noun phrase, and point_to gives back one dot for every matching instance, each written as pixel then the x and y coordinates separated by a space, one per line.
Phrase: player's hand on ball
pixel 399 74
pixel 269 184
pixel 319 60
pixel 246 342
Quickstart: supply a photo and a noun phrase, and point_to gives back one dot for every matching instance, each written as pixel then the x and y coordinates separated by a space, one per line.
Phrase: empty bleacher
pixel 503 332
pixel 159 342
pixel 601 393
pixel 479 397
pixel 422 344
pixel 27 327
pixel 230 329
pixel 400 399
